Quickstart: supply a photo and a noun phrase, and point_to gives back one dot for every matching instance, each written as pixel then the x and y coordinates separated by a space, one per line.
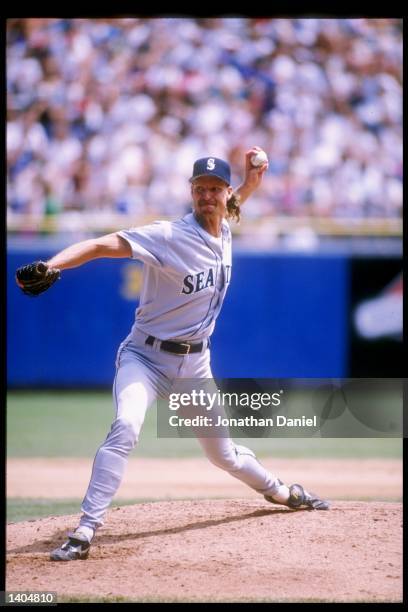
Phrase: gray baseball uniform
pixel 186 276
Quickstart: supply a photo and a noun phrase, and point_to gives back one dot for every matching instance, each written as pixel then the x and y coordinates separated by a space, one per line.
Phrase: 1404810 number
pixel 24 597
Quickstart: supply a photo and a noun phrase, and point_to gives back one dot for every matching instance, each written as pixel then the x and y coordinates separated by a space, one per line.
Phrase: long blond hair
pixel 233 207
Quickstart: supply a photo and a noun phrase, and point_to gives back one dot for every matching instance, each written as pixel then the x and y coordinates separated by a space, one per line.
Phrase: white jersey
pixel 185 278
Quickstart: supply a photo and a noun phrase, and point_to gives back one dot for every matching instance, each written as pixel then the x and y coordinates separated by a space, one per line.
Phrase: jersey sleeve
pixel 148 243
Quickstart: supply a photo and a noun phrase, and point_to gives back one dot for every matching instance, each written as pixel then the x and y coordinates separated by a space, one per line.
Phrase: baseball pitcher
pixel 187 271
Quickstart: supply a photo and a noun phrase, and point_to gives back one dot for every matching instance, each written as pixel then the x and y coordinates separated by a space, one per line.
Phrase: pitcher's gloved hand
pixel 35 278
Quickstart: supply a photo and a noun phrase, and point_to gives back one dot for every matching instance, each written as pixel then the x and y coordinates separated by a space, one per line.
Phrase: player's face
pixel 210 195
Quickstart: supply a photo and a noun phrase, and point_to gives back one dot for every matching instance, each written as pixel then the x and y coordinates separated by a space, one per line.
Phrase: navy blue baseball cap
pixel 212 166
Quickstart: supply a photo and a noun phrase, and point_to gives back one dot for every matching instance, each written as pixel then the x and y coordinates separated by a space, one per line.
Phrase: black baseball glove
pixel 35 278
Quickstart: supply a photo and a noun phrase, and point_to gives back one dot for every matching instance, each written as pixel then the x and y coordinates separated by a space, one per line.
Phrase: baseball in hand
pixel 259 158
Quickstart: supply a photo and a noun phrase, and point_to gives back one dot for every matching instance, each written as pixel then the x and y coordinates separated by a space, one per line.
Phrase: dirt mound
pixel 219 550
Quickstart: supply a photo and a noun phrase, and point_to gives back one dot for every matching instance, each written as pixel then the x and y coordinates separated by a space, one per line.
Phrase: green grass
pixel 120 599
pixel 28 508
pixel 100 600
pixel 75 423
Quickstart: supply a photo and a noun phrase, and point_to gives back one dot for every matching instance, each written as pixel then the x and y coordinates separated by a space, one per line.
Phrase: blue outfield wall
pixel 284 316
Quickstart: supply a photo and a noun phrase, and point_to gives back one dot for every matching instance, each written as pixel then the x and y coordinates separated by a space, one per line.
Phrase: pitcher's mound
pixel 219 550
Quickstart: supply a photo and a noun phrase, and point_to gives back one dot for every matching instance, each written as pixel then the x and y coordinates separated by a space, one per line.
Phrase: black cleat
pixel 76 547
pixel 300 497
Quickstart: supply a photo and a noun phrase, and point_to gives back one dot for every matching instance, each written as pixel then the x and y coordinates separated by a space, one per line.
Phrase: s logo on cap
pixel 213 166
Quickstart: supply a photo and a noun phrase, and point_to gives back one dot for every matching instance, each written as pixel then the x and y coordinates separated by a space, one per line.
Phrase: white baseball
pixel 259 158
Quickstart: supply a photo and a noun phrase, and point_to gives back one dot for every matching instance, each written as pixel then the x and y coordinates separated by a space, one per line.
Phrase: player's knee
pixel 122 436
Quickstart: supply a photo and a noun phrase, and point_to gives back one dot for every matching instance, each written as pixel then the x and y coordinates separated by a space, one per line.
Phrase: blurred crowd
pixel 108 115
